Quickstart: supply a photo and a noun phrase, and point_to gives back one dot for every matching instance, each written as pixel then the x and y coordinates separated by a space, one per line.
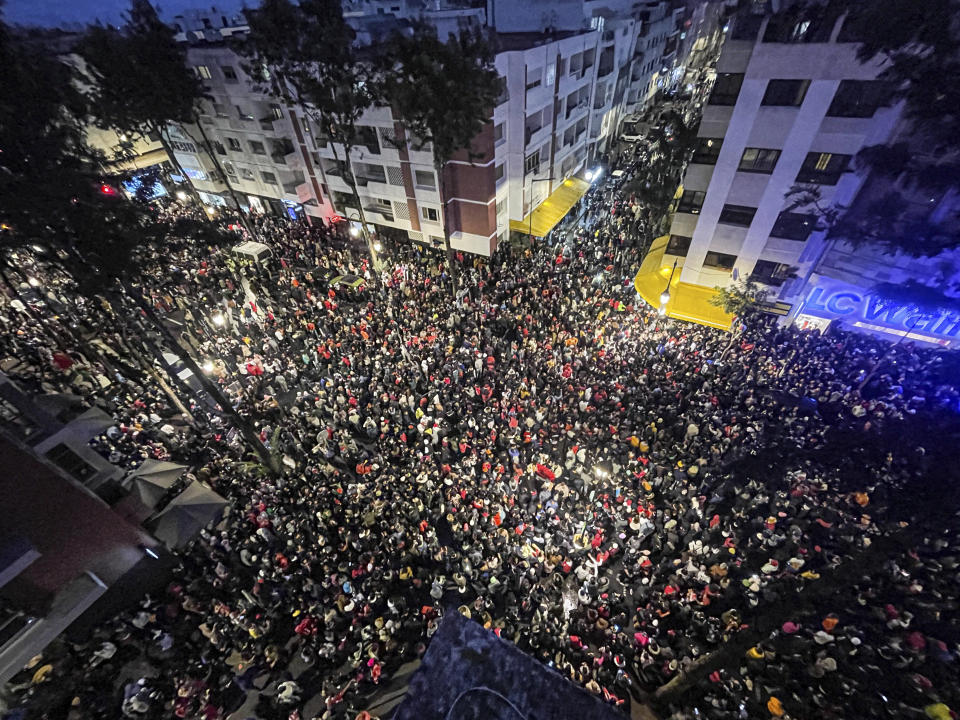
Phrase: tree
pixel 139 84
pixel 444 93
pixel 56 207
pixel 741 298
pixel 917 44
pixel 305 53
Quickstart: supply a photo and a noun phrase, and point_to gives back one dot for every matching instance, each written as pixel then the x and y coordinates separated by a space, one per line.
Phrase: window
pixel 534 78
pixel 247 174
pixel 737 215
pixel 721 261
pixel 256 147
pixel 498 134
pixel 794 226
pixel 707 151
pixel 276 111
pixel 770 273
pixel 269 178
pixel 367 137
pixel 218 146
pixel 726 89
pixel 823 168
pixel 203 72
pixel 234 144
pixel 531 163
pixel 678 245
pixel 68 461
pixel 370 173
pixel 498 173
pixel 504 93
pixel 220 110
pixel 229 169
pixel 859 98
pixel 430 214
pixel 691 201
pixel 789 93
pixel 229 74
pixel 425 179
pixel 758 160
pixel 501 206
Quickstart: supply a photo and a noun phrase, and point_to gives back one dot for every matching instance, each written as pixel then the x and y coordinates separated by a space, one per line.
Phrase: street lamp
pixel 218 319
pixel 208 366
pixel 181 195
pixel 378 246
pixel 354 231
pixel 594 174
pixel 665 295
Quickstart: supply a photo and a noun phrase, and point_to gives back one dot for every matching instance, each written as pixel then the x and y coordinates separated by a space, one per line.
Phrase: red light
pixel 107 190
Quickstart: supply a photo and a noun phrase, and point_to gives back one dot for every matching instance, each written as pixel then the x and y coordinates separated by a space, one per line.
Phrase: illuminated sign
pixel 849 303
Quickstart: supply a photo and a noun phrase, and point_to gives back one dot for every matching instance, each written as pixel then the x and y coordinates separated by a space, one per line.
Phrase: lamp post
pixel 665 295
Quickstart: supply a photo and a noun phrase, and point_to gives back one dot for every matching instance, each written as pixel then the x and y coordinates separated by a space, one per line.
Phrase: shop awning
pixel 687 301
pixel 552 210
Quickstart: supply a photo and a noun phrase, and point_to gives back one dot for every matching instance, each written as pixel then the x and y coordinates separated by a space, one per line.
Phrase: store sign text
pixel 849 303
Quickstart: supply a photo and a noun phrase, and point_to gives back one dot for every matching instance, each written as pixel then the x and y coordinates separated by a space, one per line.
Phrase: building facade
pixel 790 107
pixel 571 72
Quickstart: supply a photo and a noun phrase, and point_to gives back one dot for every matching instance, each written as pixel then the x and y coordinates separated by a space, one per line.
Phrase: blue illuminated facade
pixel 869 311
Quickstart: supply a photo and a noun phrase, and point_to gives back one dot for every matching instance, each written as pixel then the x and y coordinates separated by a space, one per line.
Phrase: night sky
pixel 52 13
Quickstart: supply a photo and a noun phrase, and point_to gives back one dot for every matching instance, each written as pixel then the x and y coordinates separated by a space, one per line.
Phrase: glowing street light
pixel 218 320
pixel 208 366
pixel 181 195
pixel 593 175
pixel 354 231
pixel 377 246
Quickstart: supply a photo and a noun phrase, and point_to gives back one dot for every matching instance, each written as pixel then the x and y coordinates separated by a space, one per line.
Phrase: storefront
pixel 829 301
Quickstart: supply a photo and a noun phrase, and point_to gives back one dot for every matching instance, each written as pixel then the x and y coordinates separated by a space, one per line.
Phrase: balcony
pixel 385 212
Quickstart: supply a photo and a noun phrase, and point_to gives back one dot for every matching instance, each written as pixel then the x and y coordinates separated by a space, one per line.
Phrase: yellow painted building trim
pixel 687 301
pixel 552 210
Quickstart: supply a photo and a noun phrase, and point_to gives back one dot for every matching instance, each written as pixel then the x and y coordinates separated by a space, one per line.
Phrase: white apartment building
pixel 571 71
pixel 787 108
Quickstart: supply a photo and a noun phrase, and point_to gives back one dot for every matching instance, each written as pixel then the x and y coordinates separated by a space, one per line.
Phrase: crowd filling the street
pixel 621 495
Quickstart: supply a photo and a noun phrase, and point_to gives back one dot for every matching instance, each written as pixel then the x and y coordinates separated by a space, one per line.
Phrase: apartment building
pixel 62 549
pixel 571 71
pixel 790 106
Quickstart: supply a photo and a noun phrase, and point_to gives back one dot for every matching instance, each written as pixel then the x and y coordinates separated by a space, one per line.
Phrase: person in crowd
pixel 533 448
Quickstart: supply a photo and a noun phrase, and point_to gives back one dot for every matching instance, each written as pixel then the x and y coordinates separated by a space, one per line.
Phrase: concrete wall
pixel 795 131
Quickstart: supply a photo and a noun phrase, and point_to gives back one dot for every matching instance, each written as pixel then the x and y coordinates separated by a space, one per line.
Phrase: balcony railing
pixel 385 212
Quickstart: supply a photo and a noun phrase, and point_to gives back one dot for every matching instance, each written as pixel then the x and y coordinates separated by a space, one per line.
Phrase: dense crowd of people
pixel 614 492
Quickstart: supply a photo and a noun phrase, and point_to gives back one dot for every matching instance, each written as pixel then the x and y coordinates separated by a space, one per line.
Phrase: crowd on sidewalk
pixel 612 491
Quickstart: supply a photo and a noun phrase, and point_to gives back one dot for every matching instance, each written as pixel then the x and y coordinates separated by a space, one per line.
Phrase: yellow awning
pixel 551 211
pixel 687 301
